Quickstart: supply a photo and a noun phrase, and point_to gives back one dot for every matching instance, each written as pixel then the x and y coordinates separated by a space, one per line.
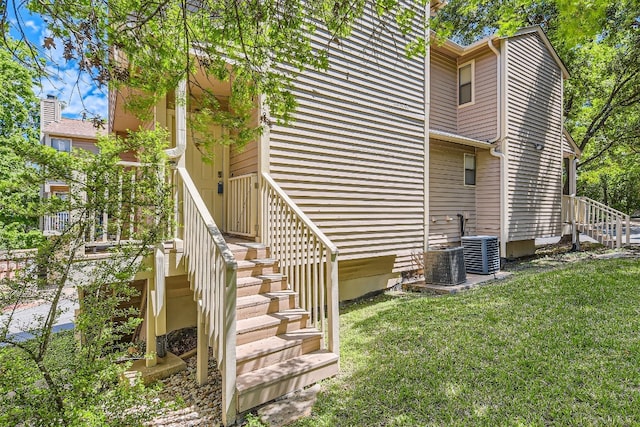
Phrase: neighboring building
pixel 64 135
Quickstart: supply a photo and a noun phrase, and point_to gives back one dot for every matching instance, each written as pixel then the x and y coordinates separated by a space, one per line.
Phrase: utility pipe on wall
pixel 427 112
pixel 181 122
pixel 500 149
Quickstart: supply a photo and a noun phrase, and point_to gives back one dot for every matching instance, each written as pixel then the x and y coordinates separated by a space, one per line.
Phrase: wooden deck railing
pixel 242 205
pixel 597 220
pixel 116 219
pixel 56 223
pixel 212 272
pixel 307 257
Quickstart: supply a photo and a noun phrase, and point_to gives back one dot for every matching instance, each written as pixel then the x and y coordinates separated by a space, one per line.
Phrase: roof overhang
pixel 71 136
pixel 458 139
pixel 460 50
pixel 545 40
pixel 575 150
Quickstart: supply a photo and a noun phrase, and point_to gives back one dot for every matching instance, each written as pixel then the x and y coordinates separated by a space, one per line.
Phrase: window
pixel 469 169
pixel 465 83
pixel 61 144
pixel 62 195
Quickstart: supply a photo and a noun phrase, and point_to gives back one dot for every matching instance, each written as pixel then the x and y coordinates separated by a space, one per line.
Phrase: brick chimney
pixel 50 110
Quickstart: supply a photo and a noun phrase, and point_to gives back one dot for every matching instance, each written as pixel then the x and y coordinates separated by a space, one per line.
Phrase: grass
pixel 559 347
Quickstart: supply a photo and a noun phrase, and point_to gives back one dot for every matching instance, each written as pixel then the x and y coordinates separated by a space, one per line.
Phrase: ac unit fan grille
pixel 481 254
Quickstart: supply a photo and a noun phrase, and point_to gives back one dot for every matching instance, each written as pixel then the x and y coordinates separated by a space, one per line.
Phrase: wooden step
pixel 269 351
pixel 269 325
pixel 257 387
pixel 264 283
pixel 270 302
pixel 248 251
pixel 257 267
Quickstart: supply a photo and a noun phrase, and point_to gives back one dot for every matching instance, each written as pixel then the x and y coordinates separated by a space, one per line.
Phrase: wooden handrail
pixel 307 257
pixel 598 220
pixel 203 211
pixel 212 271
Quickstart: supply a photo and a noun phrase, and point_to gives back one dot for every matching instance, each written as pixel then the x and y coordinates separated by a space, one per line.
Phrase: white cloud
pixel 76 90
pixel 31 24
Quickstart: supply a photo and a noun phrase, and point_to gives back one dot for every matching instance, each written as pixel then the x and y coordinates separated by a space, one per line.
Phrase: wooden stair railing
pixel 597 220
pixel 307 257
pixel 242 209
pixel 212 270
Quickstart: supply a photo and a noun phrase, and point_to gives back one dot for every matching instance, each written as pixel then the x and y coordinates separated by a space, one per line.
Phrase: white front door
pixel 209 176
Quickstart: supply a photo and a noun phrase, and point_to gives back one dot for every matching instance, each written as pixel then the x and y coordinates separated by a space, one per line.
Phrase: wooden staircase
pixel 598 221
pixel 276 351
pixel 271 333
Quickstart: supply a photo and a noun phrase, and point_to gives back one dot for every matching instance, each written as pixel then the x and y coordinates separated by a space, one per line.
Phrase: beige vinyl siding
pixel 444 104
pixel 84 145
pixel 361 276
pixel 448 196
pixel 353 157
pixel 244 160
pixel 479 119
pixel 534 115
pixel 567 148
pixel 487 194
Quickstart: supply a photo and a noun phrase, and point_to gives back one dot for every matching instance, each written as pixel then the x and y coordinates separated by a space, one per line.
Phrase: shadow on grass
pixel 557 348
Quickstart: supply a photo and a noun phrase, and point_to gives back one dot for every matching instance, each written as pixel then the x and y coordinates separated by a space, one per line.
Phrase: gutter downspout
pixel 427 111
pixel 181 124
pixel 500 149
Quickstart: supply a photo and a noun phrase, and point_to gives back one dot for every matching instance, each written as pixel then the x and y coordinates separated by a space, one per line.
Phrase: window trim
pixel 50 142
pixel 472 63
pixel 475 170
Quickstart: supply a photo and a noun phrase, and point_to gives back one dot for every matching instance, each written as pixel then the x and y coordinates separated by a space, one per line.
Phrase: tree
pixel 63 381
pixel 150 45
pixel 18 121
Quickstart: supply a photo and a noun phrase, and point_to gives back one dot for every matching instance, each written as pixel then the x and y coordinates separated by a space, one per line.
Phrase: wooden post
pixel 628 231
pixel 575 219
pixel 332 302
pixel 230 397
pixel 160 300
pixel 618 232
pixel 254 203
pixel 150 327
pixel 202 349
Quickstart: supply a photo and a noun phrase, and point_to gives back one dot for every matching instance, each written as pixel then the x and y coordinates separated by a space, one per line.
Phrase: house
pixel 64 135
pixel 387 157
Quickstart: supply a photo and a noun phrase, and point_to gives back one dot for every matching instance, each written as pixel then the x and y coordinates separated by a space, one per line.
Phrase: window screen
pixel 469 169
pixel 61 144
pixel 464 84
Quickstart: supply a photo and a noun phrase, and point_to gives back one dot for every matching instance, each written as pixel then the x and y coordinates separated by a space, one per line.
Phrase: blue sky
pixel 78 93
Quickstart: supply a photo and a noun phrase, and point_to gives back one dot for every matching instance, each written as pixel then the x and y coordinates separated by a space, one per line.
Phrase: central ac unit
pixel 481 254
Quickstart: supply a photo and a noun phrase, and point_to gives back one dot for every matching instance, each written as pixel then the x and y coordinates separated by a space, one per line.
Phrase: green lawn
pixel 559 347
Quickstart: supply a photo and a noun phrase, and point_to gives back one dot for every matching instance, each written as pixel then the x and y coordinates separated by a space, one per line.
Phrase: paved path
pixel 635 232
pixel 29 316
pixel 634 237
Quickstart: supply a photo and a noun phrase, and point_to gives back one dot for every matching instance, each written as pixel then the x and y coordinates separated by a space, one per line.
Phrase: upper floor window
pixel 61 144
pixel 469 169
pixel 466 73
